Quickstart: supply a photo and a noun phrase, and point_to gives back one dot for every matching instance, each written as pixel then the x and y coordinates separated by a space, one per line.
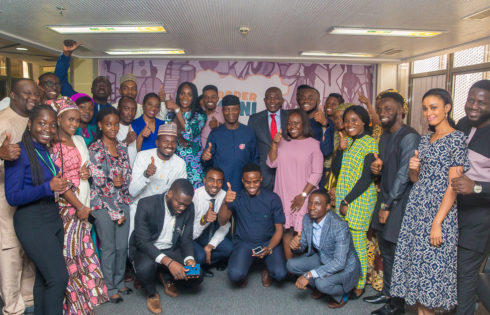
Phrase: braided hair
pixel 28 143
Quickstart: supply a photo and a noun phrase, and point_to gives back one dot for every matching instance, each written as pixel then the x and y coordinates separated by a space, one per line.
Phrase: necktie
pixel 212 225
pixel 273 125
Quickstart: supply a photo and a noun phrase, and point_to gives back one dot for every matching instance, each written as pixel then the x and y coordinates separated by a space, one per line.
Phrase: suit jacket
pixel 260 124
pixel 337 252
pixel 150 215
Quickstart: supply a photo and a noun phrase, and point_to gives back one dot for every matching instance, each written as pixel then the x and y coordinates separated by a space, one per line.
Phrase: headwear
pixel 168 129
pixel 405 104
pixel 76 96
pixel 230 100
pixel 343 106
pixel 62 104
pixel 128 77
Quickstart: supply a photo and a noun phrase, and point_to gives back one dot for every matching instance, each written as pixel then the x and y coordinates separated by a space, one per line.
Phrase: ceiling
pixel 279 29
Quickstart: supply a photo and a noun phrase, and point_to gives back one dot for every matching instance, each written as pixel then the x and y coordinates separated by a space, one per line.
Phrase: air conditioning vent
pixel 391 51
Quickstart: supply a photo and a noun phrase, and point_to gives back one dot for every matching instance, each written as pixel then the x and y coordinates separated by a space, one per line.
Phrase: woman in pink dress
pixel 86 288
pixel 299 163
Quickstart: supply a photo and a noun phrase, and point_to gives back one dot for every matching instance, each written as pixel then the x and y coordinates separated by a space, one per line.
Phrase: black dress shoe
pixel 376 299
pixel 387 309
pixel 353 295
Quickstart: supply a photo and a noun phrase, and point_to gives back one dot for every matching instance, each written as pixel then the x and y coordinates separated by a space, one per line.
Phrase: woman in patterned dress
pixel 109 199
pixel 355 194
pixel 190 119
pixel 86 288
pixel 424 271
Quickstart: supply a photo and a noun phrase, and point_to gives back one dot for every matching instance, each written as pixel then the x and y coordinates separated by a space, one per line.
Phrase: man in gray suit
pixel 330 265
pixel 265 125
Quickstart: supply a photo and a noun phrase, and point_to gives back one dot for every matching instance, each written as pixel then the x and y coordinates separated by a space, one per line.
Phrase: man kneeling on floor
pixel 162 239
pixel 259 217
pixel 330 265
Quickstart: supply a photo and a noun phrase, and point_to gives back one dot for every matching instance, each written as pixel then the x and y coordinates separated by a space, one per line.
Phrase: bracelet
pixel 344 203
pixel 168 265
pixel 203 221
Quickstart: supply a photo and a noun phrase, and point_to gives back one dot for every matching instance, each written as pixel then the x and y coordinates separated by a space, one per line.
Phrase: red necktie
pixel 273 125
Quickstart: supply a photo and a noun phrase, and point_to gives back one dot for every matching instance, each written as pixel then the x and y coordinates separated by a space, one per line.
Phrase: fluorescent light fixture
pixel 21 48
pixel 94 29
pixel 330 54
pixel 160 51
pixel 381 32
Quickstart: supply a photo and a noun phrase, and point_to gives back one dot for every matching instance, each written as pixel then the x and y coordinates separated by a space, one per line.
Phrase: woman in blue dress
pixel 146 126
pixel 424 272
pixel 190 119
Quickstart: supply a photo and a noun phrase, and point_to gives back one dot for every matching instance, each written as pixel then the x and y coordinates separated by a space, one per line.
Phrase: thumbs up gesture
pixel 230 194
pixel 9 151
pixel 151 169
pixel 320 118
pixel 414 163
pixel 131 136
pixel 161 94
pixel 295 242
pixel 118 180
pixel 146 132
pixel 84 172
pixel 213 123
pixel 377 165
pixel 58 183
pixel 210 216
pixel 170 103
pixel 277 137
pixel 206 154
pixel 343 141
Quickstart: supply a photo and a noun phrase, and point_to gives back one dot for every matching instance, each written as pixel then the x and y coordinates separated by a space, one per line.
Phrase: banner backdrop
pixel 246 79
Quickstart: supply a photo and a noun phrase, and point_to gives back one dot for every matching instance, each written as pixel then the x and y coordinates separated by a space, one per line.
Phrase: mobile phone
pixel 258 250
pixel 193 271
pixel 69 42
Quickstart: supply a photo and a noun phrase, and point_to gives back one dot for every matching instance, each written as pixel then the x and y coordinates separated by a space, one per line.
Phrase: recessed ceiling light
pixel 330 54
pixel 381 32
pixel 21 48
pixel 161 51
pixel 94 29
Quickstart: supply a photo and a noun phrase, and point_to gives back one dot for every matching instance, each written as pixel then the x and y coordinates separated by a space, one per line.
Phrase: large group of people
pixel 94 195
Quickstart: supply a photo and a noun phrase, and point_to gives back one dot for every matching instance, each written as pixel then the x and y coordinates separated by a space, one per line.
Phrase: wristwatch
pixel 477 188
pixel 307 276
pixel 177 110
pixel 304 194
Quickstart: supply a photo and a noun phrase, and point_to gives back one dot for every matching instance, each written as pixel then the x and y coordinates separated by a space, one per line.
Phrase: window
pixel 472 56
pixel 462 84
pixel 430 64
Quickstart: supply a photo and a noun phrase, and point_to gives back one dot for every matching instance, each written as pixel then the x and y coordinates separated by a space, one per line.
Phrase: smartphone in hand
pixel 258 250
pixel 193 271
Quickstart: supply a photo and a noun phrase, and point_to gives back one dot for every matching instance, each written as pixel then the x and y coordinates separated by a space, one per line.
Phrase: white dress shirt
pixel 4 103
pixel 164 240
pixel 121 136
pixel 201 201
pixel 140 186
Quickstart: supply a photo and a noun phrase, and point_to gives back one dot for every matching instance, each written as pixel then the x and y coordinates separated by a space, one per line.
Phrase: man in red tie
pixel 265 125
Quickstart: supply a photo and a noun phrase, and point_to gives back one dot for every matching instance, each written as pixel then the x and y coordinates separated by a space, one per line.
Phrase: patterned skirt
pixel 86 288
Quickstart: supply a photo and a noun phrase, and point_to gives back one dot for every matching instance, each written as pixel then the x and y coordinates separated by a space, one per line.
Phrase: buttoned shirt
pixel 277 118
pixel 317 233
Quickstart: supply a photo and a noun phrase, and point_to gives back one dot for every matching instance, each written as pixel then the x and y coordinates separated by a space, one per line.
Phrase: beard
pixel 170 208
pixel 476 123
pixel 391 122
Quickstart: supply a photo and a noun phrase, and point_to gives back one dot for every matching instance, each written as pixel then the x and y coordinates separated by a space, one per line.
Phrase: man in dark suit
pixel 162 237
pixel 473 188
pixel 396 147
pixel 265 125
pixel 330 265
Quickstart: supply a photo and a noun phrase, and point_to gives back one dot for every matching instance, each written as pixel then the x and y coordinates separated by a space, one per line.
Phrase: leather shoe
pixel 317 294
pixel 169 287
pixel 376 299
pixel 353 296
pixel 116 299
pixel 243 283
pixel 153 304
pixel 266 278
pixel 387 309
pixel 334 304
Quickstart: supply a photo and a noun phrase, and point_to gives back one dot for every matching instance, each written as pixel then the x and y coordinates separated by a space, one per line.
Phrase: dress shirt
pixel 164 240
pixel 121 136
pixel 277 117
pixel 4 103
pixel 317 233
pixel 201 205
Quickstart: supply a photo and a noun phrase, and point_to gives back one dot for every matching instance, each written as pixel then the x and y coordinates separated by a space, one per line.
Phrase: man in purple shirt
pixel 213 111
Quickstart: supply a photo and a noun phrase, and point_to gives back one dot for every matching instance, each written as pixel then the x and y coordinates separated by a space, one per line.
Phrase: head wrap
pixel 343 106
pixel 128 77
pixel 168 129
pixel 405 104
pixel 76 96
pixel 230 100
pixel 62 104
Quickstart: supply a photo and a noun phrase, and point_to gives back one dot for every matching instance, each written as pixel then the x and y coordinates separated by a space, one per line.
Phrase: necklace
pixel 50 165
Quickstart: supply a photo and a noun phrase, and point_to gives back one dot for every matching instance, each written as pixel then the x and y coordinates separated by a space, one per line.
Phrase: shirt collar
pixel 278 114
pixel 317 226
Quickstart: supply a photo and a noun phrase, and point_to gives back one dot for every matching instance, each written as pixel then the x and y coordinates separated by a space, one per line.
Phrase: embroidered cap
pixel 62 104
pixel 169 129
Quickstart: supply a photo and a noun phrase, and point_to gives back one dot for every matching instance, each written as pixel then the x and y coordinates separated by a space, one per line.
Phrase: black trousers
pixel 469 263
pixel 40 231
pixel 388 254
pixel 146 270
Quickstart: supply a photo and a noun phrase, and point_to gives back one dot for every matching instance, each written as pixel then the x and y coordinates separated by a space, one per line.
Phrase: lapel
pixel 309 235
pixel 161 213
pixel 264 126
pixel 284 121
pixel 179 228
pixel 326 227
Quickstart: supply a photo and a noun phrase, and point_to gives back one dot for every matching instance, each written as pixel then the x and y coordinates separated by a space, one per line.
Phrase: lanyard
pixel 50 166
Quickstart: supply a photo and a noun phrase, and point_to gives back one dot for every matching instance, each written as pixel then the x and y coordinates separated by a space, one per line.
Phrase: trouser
pixel 113 248
pixel 147 268
pixel 17 274
pixel 40 231
pixel 222 251
pixel 359 238
pixel 387 249
pixel 469 263
pixel 331 285
pixel 241 259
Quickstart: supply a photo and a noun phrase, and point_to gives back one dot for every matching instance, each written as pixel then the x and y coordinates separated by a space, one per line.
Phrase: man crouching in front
pixel 162 239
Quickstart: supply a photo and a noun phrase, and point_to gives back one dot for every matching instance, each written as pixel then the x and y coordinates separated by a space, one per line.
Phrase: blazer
pixel 337 252
pixel 260 124
pixel 150 215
